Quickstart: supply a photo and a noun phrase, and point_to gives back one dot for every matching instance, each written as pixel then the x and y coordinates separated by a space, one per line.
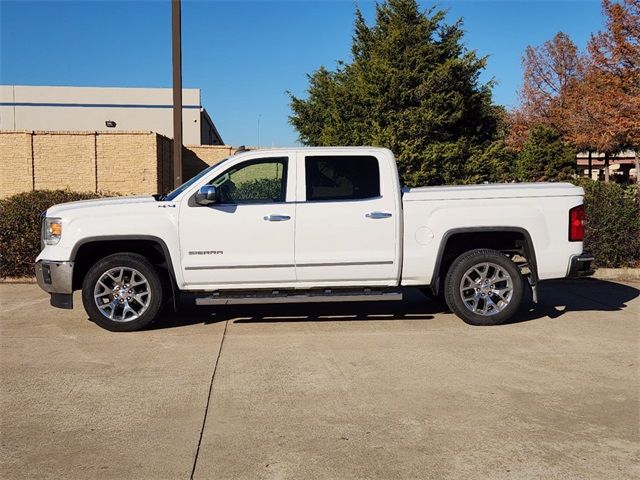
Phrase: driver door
pixel 245 239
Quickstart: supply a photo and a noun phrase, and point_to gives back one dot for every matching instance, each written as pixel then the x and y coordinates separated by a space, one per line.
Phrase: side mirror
pixel 207 194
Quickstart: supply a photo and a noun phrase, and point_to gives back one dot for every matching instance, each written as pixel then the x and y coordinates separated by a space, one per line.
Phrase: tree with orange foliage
pixel 601 109
pixel 612 83
pixel 549 71
pixel 539 124
pixel 592 100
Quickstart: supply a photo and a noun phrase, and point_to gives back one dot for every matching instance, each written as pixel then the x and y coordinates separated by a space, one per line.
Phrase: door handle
pixel 378 215
pixel 277 218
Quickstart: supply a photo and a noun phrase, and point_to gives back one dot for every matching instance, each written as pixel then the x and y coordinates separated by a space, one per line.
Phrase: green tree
pixel 412 87
pixel 545 156
pixel 493 163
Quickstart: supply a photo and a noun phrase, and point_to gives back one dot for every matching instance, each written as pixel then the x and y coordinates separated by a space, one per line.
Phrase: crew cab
pixel 311 225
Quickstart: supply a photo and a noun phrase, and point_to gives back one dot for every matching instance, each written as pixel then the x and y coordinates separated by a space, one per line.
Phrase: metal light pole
pixel 177 91
pixel 259 130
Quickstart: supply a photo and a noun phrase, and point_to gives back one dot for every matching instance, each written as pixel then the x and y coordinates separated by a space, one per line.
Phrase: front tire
pixel 483 287
pixel 122 292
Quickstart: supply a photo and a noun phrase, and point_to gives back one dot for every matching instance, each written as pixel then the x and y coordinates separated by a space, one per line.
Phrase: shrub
pixel 20 225
pixel 262 188
pixel 612 232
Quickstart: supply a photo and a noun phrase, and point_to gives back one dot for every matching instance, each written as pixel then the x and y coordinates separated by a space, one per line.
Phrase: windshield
pixel 172 195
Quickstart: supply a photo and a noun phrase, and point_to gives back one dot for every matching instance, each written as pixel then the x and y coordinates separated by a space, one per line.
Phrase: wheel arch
pixel 458 240
pixel 89 250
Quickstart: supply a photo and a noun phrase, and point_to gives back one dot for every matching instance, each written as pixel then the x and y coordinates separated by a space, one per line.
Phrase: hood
pixel 72 207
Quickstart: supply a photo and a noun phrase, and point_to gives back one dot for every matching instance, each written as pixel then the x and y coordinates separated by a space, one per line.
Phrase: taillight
pixel 576 224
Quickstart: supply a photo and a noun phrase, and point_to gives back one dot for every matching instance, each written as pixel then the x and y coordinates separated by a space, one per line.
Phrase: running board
pixel 292 296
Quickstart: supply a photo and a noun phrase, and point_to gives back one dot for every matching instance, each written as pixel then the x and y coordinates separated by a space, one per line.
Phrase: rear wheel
pixel 122 292
pixel 484 287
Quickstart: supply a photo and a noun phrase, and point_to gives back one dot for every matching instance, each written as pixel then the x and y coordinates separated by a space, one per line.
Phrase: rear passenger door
pixel 345 221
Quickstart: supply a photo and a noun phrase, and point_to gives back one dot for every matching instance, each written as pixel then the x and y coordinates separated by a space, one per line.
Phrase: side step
pixel 296 296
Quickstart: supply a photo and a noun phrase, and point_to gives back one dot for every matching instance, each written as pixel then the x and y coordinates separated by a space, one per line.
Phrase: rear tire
pixel 483 287
pixel 122 292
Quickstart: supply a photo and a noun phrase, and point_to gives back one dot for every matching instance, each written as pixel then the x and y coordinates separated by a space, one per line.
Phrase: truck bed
pixel 493 190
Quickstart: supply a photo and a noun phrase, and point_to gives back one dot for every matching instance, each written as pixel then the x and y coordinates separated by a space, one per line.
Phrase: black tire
pixel 129 262
pixel 453 282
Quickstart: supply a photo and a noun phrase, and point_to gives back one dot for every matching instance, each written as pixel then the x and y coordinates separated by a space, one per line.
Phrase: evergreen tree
pixel 545 157
pixel 412 87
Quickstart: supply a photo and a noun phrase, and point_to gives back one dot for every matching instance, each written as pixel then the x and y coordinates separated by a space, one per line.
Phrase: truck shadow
pixel 415 307
pixel 555 299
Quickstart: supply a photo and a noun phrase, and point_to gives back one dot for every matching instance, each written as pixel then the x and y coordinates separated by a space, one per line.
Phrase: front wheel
pixel 122 292
pixel 483 287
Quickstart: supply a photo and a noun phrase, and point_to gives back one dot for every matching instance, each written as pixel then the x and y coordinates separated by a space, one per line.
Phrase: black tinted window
pixel 342 177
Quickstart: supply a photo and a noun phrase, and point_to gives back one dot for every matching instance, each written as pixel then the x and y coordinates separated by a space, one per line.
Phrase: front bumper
pixel 56 278
pixel 580 265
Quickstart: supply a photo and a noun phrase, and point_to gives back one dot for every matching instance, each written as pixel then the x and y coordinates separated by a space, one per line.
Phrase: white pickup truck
pixel 311 225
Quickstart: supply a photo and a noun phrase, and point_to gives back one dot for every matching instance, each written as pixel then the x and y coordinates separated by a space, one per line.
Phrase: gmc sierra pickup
pixel 311 225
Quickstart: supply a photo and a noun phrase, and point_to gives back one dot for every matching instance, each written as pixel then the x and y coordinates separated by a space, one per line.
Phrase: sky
pixel 245 56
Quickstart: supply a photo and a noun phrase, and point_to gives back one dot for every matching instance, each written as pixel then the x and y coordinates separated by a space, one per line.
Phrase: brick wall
pixel 127 163
pixel 211 154
pixel 165 164
pixel 197 157
pixel 64 161
pixel 16 170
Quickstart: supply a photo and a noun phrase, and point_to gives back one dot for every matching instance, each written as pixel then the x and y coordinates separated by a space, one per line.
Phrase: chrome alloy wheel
pixel 122 294
pixel 486 289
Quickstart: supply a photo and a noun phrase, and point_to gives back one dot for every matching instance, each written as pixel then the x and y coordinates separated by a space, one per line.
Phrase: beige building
pixel 82 109
pixel 621 166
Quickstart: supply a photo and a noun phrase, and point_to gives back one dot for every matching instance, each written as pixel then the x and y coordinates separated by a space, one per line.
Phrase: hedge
pixel 262 188
pixel 20 227
pixel 612 232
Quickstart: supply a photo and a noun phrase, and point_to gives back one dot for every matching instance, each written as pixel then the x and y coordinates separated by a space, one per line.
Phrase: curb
pixel 617 274
pixel 18 280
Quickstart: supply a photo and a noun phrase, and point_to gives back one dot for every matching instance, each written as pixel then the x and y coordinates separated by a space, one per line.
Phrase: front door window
pixel 253 182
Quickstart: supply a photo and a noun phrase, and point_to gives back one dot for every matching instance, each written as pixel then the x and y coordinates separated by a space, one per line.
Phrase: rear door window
pixel 342 177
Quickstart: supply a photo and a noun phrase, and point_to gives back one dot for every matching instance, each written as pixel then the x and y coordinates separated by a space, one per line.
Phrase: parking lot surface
pixel 334 391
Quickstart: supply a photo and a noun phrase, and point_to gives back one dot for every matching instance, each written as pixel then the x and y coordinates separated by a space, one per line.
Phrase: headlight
pixel 52 230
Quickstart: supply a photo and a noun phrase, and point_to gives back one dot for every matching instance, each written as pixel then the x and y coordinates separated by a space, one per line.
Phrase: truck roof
pixel 280 150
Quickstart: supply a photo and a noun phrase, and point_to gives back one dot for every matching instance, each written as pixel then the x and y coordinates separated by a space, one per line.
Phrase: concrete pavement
pixel 373 390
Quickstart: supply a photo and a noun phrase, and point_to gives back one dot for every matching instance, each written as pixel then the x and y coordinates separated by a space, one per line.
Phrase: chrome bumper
pixel 56 278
